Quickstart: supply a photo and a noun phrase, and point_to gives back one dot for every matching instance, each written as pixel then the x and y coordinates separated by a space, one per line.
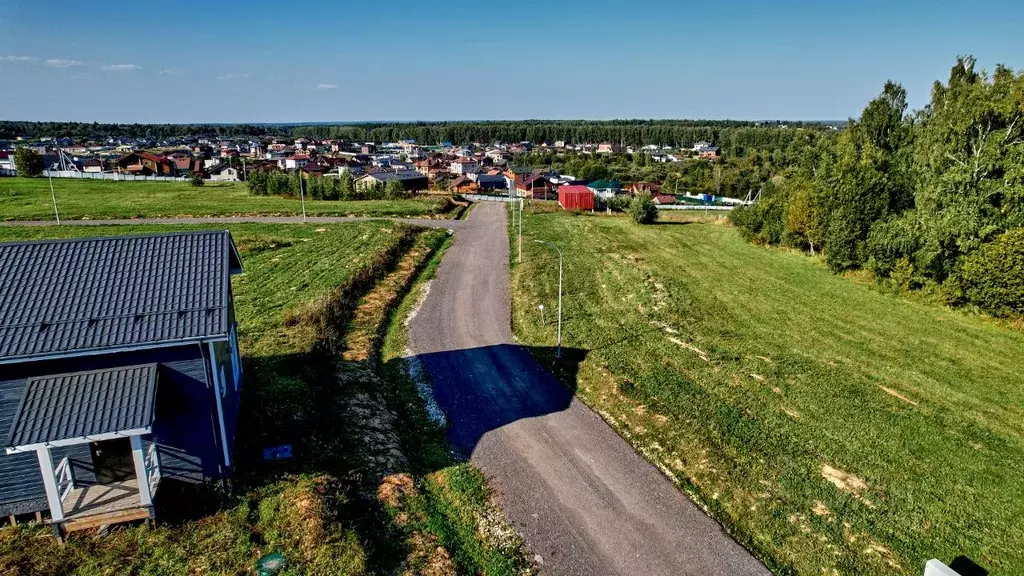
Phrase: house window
pixel 236 360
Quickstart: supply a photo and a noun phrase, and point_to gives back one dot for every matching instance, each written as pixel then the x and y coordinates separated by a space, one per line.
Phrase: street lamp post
pixel 558 352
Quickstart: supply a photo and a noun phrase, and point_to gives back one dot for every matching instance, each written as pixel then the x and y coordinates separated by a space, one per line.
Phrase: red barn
pixel 574 197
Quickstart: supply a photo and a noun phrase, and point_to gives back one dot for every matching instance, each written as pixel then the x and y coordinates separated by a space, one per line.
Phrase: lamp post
pixel 558 352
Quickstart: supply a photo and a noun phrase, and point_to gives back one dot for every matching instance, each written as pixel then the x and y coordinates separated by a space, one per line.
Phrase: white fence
pixel 693 207
pixel 110 176
pixel 486 198
pixel 505 198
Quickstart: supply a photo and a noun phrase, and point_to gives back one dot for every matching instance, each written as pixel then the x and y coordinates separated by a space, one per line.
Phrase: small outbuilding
pixel 576 197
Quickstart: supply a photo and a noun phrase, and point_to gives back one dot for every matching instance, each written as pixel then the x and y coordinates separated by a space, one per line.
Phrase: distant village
pixel 466 169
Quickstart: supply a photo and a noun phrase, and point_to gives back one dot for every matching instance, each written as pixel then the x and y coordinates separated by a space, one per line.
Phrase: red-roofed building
pixel 145 164
pixel 535 186
pixel 639 187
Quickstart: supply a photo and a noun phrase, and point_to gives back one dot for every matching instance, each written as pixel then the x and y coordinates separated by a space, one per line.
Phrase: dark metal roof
pixel 82 404
pixel 66 297
pixel 400 175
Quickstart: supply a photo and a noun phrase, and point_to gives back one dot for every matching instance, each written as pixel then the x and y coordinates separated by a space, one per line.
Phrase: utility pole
pixel 520 230
pixel 53 196
pixel 302 196
pixel 558 351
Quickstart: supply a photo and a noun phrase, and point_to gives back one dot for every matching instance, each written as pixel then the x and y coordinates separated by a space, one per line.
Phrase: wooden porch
pixel 104 504
pixel 96 505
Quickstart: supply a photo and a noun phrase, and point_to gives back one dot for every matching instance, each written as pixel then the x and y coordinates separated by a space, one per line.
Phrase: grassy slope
pixel 29 199
pixel 798 363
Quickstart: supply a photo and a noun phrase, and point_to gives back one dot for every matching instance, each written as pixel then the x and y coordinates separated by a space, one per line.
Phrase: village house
pixel 145 164
pixel 608 148
pixel 650 187
pixel 182 161
pixel 295 161
pixel 463 165
pixel 411 180
pixel 119 372
pixel 705 150
pixel 225 173
pixel 535 186
pixel 605 189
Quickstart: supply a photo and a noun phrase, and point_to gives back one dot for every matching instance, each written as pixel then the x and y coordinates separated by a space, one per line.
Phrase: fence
pixel 110 176
pixel 487 198
pixel 505 198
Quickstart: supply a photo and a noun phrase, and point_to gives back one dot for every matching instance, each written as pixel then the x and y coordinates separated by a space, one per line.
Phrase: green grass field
pixel 831 427
pixel 29 199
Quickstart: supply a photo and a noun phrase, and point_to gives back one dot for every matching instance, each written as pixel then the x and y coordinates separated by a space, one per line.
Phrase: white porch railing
pixel 65 474
pixel 152 466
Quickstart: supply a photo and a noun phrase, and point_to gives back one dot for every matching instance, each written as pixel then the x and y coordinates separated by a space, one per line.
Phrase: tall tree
pixel 28 162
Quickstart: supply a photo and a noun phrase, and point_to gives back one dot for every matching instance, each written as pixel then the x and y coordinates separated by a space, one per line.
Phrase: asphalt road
pixel 582 498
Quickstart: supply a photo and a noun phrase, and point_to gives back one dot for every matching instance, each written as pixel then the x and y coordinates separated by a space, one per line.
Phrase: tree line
pixel 931 199
pixel 733 136
pixel 280 183
pixel 97 132
pixel 733 176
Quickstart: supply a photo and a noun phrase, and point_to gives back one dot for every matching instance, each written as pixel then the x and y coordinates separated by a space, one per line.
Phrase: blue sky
pixel 280 61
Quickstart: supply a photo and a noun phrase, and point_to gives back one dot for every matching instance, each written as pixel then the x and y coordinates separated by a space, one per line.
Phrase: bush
pixel 28 162
pixel 618 203
pixel 992 277
pixel 196 180
pixel 642 209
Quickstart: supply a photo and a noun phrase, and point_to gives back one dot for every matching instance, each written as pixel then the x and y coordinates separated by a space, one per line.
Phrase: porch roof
pixel 66 409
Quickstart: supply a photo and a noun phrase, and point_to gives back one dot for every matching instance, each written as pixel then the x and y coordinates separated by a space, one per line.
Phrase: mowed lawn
pixel 831 427
pixel 29 199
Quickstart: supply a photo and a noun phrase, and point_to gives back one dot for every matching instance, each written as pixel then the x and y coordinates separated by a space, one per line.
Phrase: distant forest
pixel 733 136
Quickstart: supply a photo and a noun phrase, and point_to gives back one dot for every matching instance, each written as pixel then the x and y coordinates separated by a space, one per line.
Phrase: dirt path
pixel 582 498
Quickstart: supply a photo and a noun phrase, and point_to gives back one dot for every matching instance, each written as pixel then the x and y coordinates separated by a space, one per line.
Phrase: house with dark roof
pixel 119 372
pixel 536 186
pixel 411 180
pixel 225 172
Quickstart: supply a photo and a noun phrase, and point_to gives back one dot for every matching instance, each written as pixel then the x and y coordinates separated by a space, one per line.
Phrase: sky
pixel 260 61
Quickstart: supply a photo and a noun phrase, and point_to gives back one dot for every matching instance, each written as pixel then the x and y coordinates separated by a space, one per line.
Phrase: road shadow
pixel 487 388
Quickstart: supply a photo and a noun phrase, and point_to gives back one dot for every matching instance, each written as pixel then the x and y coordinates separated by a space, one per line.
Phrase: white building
pixel 463 166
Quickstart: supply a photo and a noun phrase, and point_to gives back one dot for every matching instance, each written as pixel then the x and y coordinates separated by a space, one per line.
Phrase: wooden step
pixel 106 518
